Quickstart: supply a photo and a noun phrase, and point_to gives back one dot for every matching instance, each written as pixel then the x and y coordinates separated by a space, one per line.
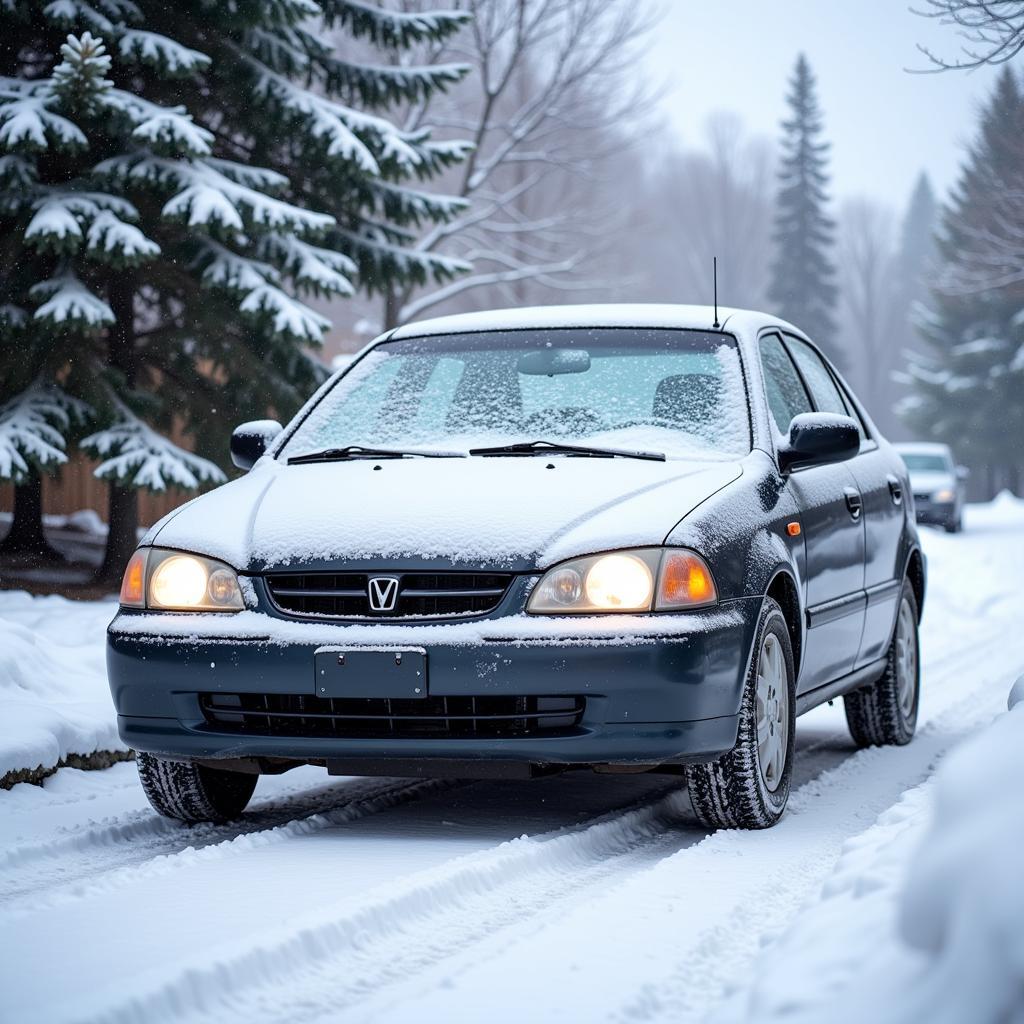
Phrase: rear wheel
pixel 885 713
pixel 748 787
pixel 192 792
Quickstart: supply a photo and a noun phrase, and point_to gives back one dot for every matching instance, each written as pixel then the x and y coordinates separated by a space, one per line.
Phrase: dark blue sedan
pixel 509 544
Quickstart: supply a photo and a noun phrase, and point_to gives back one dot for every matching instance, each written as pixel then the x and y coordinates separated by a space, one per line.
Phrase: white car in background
pixel 937 483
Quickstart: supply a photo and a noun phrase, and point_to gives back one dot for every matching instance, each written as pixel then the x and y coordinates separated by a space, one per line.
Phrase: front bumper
pixel 657 689
pixel 932 513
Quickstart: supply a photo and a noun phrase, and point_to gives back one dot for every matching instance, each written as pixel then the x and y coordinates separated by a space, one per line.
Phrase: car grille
pixel 426 594
pixel 297 715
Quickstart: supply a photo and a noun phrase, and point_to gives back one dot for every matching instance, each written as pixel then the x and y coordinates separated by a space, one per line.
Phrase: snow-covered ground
pixel 54 699
pixel 582 898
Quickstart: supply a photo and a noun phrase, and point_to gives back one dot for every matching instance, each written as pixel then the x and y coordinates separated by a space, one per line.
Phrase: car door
pixel 832 525
pixel 885 487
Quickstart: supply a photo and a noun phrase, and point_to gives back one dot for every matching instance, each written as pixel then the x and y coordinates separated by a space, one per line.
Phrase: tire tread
pixel 193 793
pixel 873 712
pixel 728 793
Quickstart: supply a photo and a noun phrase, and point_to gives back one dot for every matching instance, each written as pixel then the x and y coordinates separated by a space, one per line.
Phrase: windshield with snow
pixel 673 391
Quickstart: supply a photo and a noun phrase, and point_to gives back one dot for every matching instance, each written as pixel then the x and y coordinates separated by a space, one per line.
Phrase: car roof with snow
pixel 742 322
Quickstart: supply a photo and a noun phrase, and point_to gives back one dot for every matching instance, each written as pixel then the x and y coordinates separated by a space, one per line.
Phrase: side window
pixel 823 389
pixel 787 396
pixel 855 415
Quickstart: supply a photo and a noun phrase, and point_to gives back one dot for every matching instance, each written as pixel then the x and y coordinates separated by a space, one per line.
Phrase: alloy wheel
pixel 772 712
pixel 906 658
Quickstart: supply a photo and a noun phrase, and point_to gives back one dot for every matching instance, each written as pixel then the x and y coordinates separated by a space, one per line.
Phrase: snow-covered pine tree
pixel 912 271
pixel 966 385
pixel 34 425
pixel 78 240
pixel 917 251
pixel 231 170
pixel 36 413
pixel 802 285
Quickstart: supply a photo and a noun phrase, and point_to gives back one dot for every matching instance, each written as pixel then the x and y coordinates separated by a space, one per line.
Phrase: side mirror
pixel 250 440
pixel 962 472
pixel 818 438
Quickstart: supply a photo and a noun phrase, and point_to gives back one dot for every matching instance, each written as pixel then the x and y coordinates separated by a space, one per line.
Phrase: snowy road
pixel 575 898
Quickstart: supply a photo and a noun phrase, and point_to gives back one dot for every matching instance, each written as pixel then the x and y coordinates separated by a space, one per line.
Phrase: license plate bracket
pixel 399 673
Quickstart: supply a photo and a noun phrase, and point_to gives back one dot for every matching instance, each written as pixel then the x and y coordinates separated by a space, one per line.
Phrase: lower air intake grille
pixel 296 715
pixel 427 594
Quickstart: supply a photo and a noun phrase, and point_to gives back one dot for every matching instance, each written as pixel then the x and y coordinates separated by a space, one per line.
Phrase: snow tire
pixel 885 713
pixel 194 793
pixel 732 792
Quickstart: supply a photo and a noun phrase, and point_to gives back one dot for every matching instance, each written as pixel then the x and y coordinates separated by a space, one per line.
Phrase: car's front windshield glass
pixel 918 462
pixel 673 391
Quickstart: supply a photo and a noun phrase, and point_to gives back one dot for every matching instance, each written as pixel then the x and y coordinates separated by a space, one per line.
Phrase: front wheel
pixel 748 787
pixel 193 793
pixel 885 713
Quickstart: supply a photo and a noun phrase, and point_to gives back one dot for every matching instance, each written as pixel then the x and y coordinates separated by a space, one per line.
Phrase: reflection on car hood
pixel 926 481
pixel 517 512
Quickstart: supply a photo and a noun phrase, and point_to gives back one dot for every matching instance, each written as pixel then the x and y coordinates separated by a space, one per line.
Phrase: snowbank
pixel 54 700
pixel 923 916
pixel 963 905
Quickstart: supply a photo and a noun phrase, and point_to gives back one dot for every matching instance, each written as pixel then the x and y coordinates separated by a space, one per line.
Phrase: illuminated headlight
pixel 177 581
pixel 944 496
pixel 643 580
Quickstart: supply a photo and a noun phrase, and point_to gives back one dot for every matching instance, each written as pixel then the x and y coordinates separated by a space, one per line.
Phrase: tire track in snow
pixel 699 914
pixel 486 892
pixel 115 854
pixel 737 920
pixel 539 869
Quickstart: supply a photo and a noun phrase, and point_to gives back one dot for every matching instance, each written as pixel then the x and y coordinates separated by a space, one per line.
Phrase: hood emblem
pixel 382 592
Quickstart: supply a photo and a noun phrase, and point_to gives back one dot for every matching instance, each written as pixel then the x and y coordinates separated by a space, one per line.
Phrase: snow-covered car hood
pixel 521 512
pixel 924 482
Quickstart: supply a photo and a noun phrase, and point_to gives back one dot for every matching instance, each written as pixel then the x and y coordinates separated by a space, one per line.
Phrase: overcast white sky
pixel 885 125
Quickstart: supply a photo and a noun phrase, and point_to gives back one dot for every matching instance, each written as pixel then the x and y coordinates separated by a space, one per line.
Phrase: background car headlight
pixel 177 581
pixel 943 496
pixel 642 580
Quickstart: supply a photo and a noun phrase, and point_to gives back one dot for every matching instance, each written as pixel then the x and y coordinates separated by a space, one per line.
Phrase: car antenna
pixel 714 273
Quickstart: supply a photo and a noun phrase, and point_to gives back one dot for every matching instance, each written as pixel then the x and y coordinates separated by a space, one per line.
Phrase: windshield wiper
pixel 556 448
pixel 357 451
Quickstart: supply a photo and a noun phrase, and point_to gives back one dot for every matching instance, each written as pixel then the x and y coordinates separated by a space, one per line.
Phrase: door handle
pixel 853 502
pixel 895 489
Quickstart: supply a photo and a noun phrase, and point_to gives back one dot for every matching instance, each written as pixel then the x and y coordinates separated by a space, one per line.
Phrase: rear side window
pixel 787 396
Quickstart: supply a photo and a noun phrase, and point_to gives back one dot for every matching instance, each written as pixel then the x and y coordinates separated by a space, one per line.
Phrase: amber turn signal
pixel 133 584
pixel 793 529
pixel 684 581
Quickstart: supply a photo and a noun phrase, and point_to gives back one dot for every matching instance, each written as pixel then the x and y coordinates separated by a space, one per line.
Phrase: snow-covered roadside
pixel 921 918
pixel 54 700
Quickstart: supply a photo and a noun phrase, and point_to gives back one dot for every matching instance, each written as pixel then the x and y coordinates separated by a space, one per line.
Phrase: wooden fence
pixel 76 488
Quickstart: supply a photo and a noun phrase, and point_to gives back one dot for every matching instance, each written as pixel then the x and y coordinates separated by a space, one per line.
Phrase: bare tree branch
pixel 553 100
pixel 992 32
